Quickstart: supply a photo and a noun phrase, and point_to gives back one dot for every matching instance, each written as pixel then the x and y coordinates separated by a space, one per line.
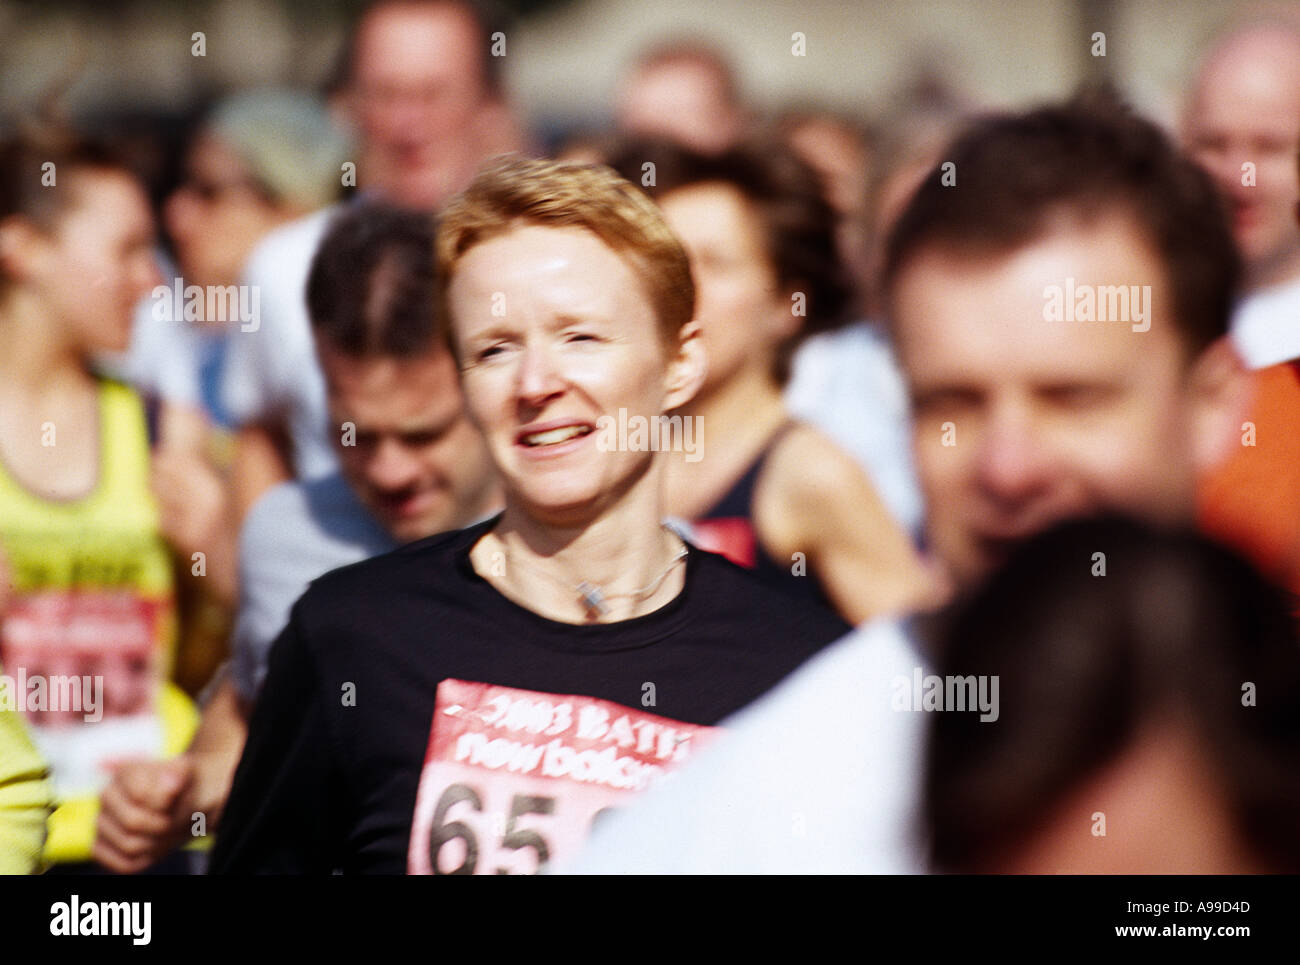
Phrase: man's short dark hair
pixel 488 16
pixel 371 287
pixel 1016 174
pixel 798 222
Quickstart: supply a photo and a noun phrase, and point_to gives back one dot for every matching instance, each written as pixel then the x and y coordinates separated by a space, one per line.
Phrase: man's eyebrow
pixel 421 427
pixel 944 388
pixel 430 426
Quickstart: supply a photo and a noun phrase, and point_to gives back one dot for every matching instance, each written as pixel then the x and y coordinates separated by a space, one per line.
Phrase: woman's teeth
pixel 552 436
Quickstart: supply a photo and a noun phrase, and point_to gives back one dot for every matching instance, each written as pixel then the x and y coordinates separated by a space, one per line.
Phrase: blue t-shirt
pixel 296 532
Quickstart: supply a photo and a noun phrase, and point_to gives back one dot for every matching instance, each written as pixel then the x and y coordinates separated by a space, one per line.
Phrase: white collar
pixel 1266 325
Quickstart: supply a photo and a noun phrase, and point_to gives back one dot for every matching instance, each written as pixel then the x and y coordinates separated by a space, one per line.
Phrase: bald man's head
pixel 1243 124
pixel 425 94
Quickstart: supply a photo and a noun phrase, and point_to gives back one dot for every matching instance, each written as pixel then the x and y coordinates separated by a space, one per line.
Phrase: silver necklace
pixel 593 595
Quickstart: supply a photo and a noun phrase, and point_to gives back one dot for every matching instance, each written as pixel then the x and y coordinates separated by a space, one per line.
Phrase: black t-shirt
pixel 336 744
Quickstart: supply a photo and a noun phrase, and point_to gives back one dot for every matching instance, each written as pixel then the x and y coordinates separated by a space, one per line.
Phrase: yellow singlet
pixel 89 638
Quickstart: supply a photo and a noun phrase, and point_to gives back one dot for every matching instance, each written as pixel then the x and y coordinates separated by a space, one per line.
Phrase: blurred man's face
pixel 417 463
pixel 1019 421
pixel 840 157
pixel 1246 108
pixel 683 101
pixel 417 96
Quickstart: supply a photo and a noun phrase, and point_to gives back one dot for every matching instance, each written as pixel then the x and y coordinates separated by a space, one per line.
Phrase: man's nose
pixel 391 466
pixel 1012 466
pixel 1225 167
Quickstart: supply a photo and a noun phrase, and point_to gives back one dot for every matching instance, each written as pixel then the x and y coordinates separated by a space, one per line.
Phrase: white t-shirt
pixel 163 359
pixel 848 384
pixel 271 370
pixel 1266 325
pixel 820 776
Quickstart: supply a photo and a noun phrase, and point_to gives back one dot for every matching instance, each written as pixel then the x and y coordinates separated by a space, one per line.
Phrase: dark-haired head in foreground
pixel 1149 718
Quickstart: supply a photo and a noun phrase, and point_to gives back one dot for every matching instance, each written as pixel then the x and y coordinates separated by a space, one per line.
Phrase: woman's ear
pixel 687 367
pixel 19 247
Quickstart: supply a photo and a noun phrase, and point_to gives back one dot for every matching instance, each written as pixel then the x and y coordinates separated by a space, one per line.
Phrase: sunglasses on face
pixel 210 191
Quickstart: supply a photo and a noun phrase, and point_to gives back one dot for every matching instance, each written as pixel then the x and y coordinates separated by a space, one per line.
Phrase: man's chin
pixel 973 567
pixel 408 531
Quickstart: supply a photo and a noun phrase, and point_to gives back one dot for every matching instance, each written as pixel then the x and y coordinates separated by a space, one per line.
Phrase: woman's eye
pixel 581 337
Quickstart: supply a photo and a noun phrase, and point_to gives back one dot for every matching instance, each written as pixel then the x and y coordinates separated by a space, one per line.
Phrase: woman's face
pixel 97 262
pixel 742 312
pixel 555 331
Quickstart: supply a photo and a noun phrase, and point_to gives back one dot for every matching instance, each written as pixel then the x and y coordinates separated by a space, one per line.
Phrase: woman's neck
pixel 624 552
pixel 752 398
pixel 736 423
pixel 35 362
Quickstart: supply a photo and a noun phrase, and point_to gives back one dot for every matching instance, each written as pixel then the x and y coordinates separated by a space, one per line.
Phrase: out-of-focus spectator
pixel 258 160
pixel 26 797
pixel 847 382
pixel 1020 422
pixel 685 91
pixel 767 491
pixel 417 468
pixel 427 101
pixel 1147 720
pixel 92 611
pixel 840 149
pixel 1243 124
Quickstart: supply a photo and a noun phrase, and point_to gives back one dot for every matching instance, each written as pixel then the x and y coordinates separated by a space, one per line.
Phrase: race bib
pixel 83 668
pixel 514 779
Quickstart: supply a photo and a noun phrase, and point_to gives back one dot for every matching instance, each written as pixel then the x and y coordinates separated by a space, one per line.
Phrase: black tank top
pixel 728 528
